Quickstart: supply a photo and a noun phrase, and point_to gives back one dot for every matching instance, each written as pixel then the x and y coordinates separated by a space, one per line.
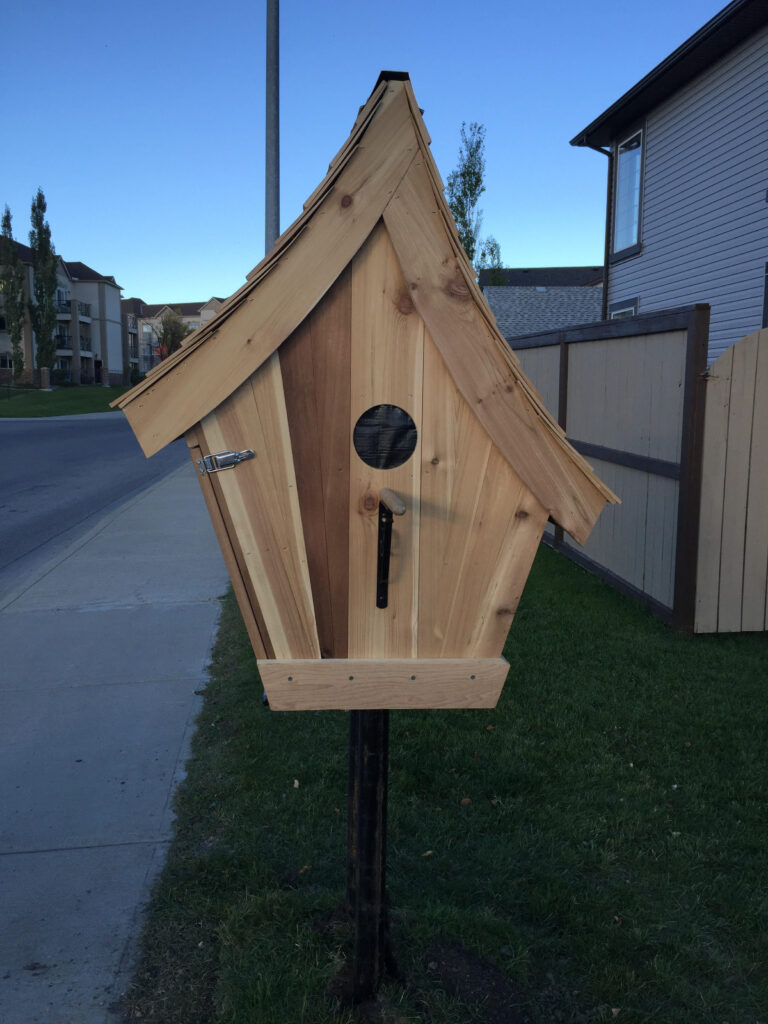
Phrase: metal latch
pixel 222 460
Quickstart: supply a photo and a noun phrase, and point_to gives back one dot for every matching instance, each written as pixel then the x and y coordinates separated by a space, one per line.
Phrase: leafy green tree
pixel 12 287
pixel 463 189
pixel 44 263
pixel 465 185
pixel 170 332
pixel 490 260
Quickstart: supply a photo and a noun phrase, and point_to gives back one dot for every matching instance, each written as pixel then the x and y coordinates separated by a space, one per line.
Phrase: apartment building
pixel 141 321
pixel 89 343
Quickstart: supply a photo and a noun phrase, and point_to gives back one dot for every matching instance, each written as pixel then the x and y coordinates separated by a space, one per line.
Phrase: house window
pixel 623 309
pixel 2 324
pixel 6 363
pixel 626 206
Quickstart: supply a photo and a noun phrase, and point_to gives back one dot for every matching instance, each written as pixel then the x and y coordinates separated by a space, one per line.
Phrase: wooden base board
pixel 355 684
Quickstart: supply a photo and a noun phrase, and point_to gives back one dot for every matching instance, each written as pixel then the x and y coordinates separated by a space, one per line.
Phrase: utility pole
pixel 272 149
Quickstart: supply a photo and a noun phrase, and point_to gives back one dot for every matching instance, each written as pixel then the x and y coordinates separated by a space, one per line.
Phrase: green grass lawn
pixel 59 402
pixel 595 846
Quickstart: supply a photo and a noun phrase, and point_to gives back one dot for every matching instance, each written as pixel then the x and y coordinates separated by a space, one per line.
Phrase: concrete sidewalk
pixel 101 654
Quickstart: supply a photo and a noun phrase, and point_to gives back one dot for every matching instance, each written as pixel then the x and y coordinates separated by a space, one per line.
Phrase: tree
pixel 12 287
pixel 44 263
pixel 490 260
pixel 170 332
pixel 464 187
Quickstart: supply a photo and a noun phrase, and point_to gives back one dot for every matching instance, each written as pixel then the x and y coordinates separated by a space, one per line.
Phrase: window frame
pixel 617 310
pixel 635 247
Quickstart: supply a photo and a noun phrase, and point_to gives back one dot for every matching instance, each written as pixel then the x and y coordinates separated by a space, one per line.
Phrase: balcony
pixel 85 344
pixel 62 306
pixel 63 341
pixel 131 323
pixel 84 309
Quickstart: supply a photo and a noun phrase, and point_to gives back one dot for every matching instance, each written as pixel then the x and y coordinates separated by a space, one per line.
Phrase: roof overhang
pixel 727 29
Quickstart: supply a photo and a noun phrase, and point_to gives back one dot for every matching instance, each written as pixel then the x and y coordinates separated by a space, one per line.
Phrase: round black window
pixel 384 436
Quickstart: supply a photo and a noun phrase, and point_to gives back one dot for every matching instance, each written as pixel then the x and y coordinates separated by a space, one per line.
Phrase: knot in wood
pixel 456 287
pixel 404 304
pixel 346 201
pixel 435 461
pixel 370 503
pixel 521 514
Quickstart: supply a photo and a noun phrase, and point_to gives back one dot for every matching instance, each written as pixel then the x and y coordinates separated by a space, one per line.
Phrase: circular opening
pixel 385 436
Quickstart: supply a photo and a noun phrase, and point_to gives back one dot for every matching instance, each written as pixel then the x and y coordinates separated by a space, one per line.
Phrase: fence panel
pixel 629 394
pixel 733 543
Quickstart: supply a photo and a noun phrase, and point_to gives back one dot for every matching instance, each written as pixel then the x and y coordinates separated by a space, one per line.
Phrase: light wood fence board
pixel 660 539
pixel 542 367
pixel 712 492
pixel 666 368
pixel 736 485
pixel 755 603
pixel 618 540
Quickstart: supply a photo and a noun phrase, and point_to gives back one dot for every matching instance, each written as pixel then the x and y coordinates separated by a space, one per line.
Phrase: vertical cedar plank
pixel 387 355
pixel 315 366
pixel 455 451
pixel 481 527
pixel 248 607
pixel 755 609
pixel 260 496
pixel 736 485
pixel 712 492
pixel 503 539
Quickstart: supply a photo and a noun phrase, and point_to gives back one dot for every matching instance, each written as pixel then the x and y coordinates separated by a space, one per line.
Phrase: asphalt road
pixel 57 474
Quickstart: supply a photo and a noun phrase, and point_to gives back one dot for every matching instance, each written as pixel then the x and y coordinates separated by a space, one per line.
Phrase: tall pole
pixel 272 149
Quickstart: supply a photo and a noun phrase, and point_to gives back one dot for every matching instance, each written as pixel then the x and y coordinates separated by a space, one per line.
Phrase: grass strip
pixel 592 849
pixel 31 402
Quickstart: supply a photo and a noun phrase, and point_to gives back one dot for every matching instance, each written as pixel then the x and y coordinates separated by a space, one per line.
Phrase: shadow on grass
pixel 592 849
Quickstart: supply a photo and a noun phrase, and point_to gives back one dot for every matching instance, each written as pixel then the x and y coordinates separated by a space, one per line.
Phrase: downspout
pixel 608 226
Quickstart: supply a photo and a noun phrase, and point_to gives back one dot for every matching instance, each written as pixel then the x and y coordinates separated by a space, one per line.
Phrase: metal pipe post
pixel 272 147
pixel 366 849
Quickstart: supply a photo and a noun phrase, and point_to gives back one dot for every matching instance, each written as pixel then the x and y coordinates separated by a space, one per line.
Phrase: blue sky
pixel 144 123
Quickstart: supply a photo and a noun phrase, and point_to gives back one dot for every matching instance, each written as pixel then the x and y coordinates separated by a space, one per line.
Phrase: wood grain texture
pixel 234 566
pixel 278 298
pixel 261 499
pixel 387 356
pixel 487 377
pixel 356 684
pixel 315 363
pixel 712 492
pixel 480 527
pixel 736 490
pixel 754 598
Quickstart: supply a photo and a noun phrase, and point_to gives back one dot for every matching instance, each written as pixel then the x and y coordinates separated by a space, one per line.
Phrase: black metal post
pixel 366 849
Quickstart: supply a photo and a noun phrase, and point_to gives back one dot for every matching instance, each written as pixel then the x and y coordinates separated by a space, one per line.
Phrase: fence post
pixel 691 455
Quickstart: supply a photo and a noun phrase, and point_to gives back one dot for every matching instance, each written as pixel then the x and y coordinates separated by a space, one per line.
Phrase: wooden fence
pixel 630 395
pixel 733 532
pixel 685 448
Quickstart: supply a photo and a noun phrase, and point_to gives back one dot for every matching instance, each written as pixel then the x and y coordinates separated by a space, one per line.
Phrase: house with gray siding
pixel 688 180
